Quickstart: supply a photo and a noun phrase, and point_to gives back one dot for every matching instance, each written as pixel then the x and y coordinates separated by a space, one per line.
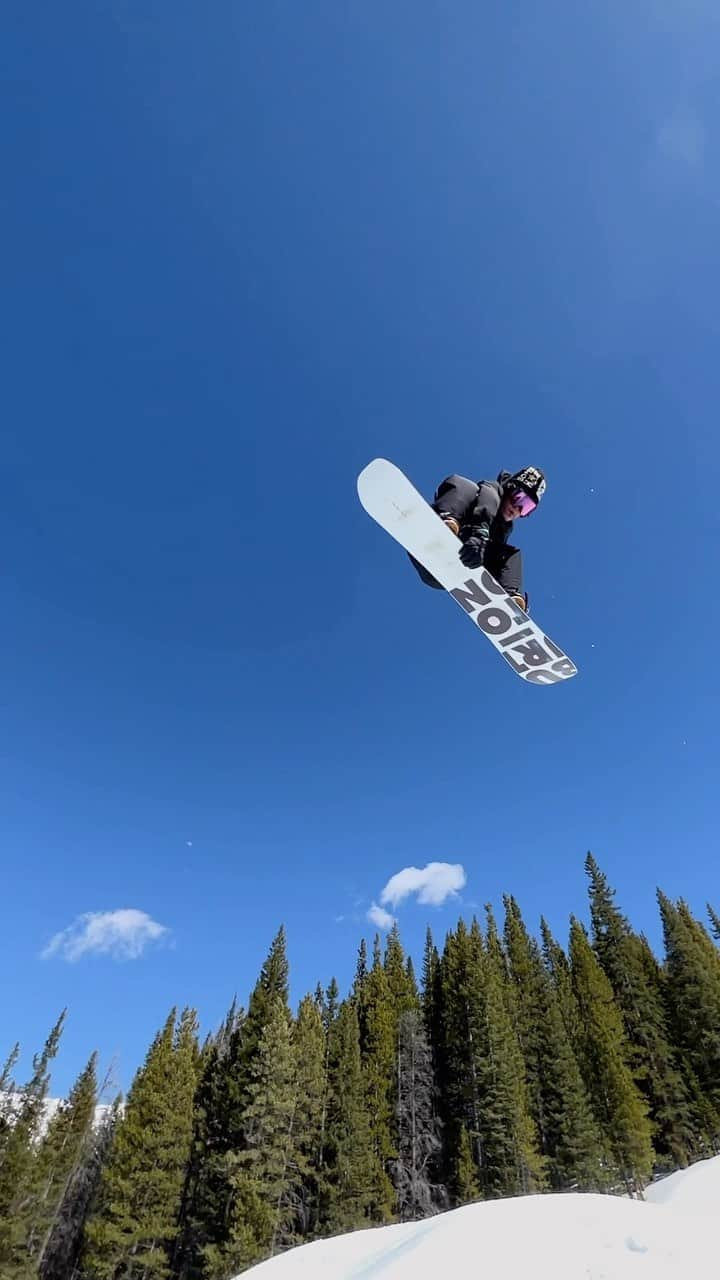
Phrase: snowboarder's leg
pixel 505 565
pixel 455 498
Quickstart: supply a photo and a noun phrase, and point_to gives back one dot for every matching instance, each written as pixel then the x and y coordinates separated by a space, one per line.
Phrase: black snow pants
pixel 456 497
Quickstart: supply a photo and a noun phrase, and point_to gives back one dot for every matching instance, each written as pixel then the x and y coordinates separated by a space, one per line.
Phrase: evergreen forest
pixel 502 1062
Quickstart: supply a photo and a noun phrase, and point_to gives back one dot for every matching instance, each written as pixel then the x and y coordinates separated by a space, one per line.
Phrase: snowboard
pixel 388 496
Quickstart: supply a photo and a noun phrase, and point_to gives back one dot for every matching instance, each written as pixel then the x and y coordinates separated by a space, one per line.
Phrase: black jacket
pixel 474 503
pixel 486 510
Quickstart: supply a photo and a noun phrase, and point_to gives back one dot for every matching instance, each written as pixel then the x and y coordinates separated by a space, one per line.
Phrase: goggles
pixel 524 502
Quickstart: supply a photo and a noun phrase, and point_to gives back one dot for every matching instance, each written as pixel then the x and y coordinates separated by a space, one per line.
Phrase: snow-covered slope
pixel 13 1102
pixel 564 1237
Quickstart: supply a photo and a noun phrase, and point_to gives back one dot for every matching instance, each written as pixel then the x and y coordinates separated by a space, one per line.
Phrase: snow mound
pixel 552 1237
pixel 693 1190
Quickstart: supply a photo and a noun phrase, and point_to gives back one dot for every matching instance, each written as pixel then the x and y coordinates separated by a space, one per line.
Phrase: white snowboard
pixel 389 497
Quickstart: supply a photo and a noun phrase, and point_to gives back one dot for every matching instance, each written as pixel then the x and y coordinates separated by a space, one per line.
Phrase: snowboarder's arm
pixel 476 533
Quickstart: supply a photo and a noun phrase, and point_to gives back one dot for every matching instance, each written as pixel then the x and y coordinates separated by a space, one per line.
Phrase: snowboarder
pixel 395 504
pixel 482 514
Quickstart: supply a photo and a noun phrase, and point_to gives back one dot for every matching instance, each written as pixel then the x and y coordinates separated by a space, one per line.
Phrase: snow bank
pixel 555 1237
pixel 695 1190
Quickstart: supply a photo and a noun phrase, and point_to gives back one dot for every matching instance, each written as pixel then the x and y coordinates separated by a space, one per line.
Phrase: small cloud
pixel 123 934
pixel 681 140
pixel 379 916
pixel 432 884
pixel 189 844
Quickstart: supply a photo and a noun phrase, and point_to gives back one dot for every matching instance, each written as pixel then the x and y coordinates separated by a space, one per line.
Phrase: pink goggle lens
pixel 523 501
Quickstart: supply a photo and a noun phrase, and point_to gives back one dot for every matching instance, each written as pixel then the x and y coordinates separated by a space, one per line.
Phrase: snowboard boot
pixel 520 598
pixel 450 521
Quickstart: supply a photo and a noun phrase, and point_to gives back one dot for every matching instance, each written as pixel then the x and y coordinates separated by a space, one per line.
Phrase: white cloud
pixel 379 916
pixel 681 140
pixel 123 934
pixel 433 884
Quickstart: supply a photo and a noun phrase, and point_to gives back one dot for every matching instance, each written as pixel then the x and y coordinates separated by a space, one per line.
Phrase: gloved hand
pixel 472 552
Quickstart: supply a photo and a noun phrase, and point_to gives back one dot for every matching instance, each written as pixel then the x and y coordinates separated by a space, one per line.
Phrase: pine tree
pixel 361 972
pixel 217 1131
pixel 7 1094
pixel 401 984
pixel 558 967
pixel 412 984
pixel 378 1041
pixel 61 1256
pixel 430 1003
pixel 134 1228
pixel 218 1180
pixel 460 1044
pixel 467 1186
pixel 349 1174
pixel 332 1004
pixel 272 985
pixel 311 1065
pixel 259 1175
pixel 227 1034
pixel 639 997
pixel 6 1075
pixel 604 1053
pixel 512 1160
pixel 415 1170
pixel 359 990
pixel 482 1071
pixel 714 922
pixel 568 1135
pixel 19 1169
pixel 59 1156
pixel 692 967
pixel 431 975
pixel 330 1008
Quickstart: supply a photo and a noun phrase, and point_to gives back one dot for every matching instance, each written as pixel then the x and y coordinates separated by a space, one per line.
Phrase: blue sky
pixel 248 248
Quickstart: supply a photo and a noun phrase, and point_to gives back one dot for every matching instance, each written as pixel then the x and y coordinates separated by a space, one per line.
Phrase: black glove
pixel 472 552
